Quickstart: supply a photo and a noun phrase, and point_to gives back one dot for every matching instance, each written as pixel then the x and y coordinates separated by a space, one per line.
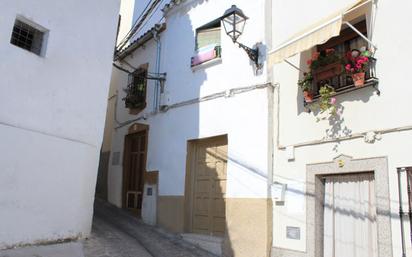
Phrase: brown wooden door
pixel 134 168
pixel 209 187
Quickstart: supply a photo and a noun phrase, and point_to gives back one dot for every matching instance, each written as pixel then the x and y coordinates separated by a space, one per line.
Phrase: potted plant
pixel 356 64
pixel 325 64
pixel 305 84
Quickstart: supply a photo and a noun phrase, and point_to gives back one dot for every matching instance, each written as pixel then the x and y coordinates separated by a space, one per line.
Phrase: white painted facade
pixel 364 111
pixel 52 117
pixel 255 125
pixel 244 117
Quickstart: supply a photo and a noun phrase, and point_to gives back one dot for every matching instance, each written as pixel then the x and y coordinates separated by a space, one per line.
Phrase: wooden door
pixel 209 187
pixel 134 168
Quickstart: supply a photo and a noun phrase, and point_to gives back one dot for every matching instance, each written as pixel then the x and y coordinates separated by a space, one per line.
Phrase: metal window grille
pixel 27 37
pixel 136 90
pixel 335 74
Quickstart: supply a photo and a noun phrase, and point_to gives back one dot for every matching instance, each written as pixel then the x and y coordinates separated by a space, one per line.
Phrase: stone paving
pixel 108 241
pixel 116 233
pixel 73 249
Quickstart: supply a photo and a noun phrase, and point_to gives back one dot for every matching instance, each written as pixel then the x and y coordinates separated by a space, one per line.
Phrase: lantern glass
pixel 234 22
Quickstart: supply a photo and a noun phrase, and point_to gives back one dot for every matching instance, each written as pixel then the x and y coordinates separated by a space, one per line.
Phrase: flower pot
pixel 308 96
pixel 358 79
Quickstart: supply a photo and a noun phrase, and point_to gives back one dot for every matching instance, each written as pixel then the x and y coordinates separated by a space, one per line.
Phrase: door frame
pixel 344 165
pixel 192 146
pixel 133 129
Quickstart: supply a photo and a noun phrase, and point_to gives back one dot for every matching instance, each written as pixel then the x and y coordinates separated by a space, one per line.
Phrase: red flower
pixel 309 62
pixel 348 67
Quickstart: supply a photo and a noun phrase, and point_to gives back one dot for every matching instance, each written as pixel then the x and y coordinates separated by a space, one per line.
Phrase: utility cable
pixel 151 15
pixel 138 25
pixel 135 23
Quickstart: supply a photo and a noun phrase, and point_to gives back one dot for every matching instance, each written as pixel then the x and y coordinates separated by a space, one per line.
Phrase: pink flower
pixel 347 67
pixel 355 53
pixel 309 62
pixel 332 100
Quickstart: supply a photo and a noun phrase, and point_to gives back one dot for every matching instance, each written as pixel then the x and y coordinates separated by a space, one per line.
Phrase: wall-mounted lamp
pixel 234 22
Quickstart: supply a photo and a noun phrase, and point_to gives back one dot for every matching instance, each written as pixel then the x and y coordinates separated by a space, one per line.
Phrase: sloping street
pixel 116 233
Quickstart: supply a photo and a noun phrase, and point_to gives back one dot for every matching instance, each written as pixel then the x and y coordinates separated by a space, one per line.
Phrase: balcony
pixel 335 76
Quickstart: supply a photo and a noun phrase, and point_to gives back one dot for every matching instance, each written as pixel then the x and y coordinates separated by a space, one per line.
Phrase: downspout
pixel 401 213
pixel 156 37
pixel 271 127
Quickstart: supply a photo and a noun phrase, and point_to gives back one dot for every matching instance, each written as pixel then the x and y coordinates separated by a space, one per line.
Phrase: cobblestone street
pixel 116 233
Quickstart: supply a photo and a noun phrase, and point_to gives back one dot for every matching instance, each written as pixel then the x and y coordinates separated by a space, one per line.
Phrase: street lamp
pixel 234 21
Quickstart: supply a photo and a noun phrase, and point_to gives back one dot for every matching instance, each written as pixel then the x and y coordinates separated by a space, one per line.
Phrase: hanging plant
pixel 326 102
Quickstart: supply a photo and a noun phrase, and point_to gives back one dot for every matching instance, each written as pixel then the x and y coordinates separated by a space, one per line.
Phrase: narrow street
pixel 116 233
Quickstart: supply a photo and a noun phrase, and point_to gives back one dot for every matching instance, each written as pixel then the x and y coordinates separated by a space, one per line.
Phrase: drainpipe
pixel 401 213
pixel 156 37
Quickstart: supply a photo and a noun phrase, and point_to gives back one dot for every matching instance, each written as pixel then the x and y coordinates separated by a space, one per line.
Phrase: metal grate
pixel 136 90
pixel 27 37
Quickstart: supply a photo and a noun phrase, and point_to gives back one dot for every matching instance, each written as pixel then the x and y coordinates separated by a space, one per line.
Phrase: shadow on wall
pixel 102 175
pixel 206 211
pixel 337 124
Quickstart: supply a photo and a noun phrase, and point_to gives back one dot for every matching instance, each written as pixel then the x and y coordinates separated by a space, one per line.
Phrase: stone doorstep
pixel 211 244
pixel 72 249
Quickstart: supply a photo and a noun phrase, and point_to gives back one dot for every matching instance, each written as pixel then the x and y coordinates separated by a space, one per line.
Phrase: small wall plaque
pixel 293 233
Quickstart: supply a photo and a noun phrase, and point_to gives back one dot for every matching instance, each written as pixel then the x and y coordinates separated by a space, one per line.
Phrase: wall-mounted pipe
pixel 156 37
pixel 401 211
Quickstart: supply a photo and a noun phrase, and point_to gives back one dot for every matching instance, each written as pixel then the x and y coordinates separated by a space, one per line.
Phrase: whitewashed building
pixel 231 155
pixel 340 174
pixel 192 152
pixel 55 72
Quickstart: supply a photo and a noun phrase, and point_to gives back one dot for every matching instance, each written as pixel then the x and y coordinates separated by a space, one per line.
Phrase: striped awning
pixel 317 33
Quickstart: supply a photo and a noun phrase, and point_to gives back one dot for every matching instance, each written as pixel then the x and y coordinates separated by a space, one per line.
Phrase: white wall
pixel 363 109
pixel 52 118
pixel 243 117
pixel 126 12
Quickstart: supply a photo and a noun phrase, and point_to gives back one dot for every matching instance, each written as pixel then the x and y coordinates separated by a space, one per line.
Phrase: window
pixel 136 90
pixel 27 37
pixel 208 35
pixel 207 43
pixel 334 74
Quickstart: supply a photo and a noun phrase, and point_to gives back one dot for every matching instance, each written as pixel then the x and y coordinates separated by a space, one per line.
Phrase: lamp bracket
pixel 252 53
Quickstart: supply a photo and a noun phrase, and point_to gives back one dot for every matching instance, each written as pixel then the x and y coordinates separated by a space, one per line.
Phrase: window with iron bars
pixel 136 90
pixel 27 37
